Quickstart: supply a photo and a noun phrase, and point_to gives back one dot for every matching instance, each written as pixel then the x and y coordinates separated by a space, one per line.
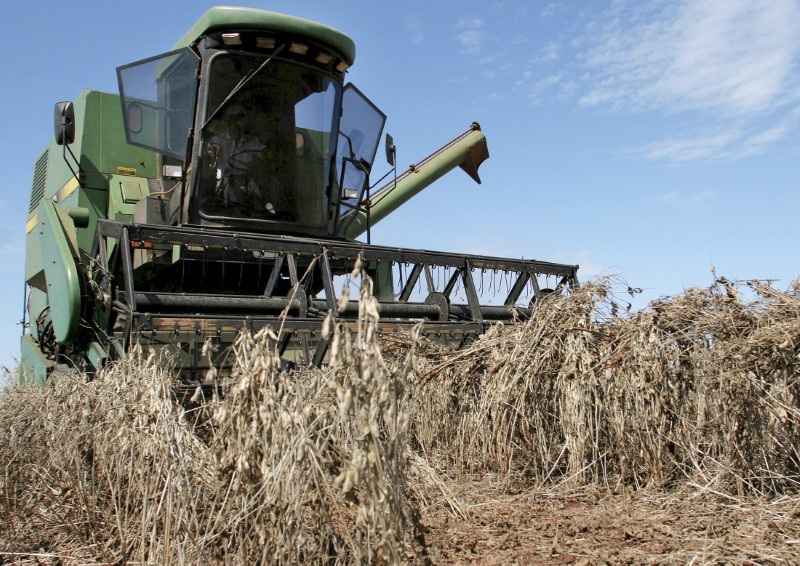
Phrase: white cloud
pixel 695 147
pixel 480 104
pixel 16 250
pixel 470 34
pixel 739 140
pixel 758 143
pixel 414 29
pixel 729 66
pixel 724 73
pixel 734 57
pixel 537 88
pixel 550 52
pixel 551 9
pixel 489 59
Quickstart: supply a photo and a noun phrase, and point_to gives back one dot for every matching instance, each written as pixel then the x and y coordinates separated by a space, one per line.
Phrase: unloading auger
pixel 224 189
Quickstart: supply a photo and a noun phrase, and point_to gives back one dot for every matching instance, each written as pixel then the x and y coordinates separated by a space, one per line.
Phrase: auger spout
pixel 467 151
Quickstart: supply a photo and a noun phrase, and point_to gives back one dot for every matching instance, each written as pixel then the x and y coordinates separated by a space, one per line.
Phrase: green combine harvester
pixel 224 189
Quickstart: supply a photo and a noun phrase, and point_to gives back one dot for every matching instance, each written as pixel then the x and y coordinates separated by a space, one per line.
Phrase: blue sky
pixel 652 140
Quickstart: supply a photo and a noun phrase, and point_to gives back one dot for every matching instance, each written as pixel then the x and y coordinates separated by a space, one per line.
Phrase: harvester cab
pixel 253 127
pixel 223 189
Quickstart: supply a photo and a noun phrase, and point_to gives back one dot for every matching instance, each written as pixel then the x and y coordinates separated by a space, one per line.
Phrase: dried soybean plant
pixel 316 465
pixel 271 437
pixel 701 386
pixel 492 405
pixel 373 408
pixel 315 460
pixel 308 465
pixel 103 470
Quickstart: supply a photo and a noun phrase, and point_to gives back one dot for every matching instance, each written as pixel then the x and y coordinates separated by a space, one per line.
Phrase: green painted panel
pixel 34 268
pixel 33 367
pixel 133 190
pixel 228 17
pixel 96 200
pixel 61 272
pixel 103 147
pixel 123 194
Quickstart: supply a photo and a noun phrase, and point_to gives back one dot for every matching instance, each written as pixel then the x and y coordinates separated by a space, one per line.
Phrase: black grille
pixel 39 180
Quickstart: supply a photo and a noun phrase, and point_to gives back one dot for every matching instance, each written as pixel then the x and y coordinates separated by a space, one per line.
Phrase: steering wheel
pixel 242 160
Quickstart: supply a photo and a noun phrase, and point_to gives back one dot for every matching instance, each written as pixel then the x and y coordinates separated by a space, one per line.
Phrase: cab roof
pixel 236 18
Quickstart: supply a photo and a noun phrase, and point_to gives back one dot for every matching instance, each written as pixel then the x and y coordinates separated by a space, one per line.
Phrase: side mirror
pixel 391 150
pixel 64 123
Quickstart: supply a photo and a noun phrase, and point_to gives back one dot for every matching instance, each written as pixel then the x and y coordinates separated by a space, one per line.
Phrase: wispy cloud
pixel 712 78
pixel 551 9
pixel 695 147
pixel 550 52
pixel 741 139
pixel 14 250
pixel 414 29
pixel 470 34
pixel 492 58
pixel 735 57
pixel 537 88
pixel 480 104
pixel 759 142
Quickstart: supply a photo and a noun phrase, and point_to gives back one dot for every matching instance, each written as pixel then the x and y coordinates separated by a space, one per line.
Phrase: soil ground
pixel 588 527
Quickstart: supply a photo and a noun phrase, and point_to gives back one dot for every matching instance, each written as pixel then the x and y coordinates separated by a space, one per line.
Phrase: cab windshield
pixel 266 150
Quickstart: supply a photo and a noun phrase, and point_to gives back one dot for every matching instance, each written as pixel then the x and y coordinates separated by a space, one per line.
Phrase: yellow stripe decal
pixel 68 188
pixel 29 225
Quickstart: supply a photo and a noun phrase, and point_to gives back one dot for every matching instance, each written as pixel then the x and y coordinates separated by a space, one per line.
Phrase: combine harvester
pixel 223 189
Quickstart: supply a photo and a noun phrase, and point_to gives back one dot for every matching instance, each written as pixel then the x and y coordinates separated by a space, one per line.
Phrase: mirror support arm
pixel 64 127
pixel 80 174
